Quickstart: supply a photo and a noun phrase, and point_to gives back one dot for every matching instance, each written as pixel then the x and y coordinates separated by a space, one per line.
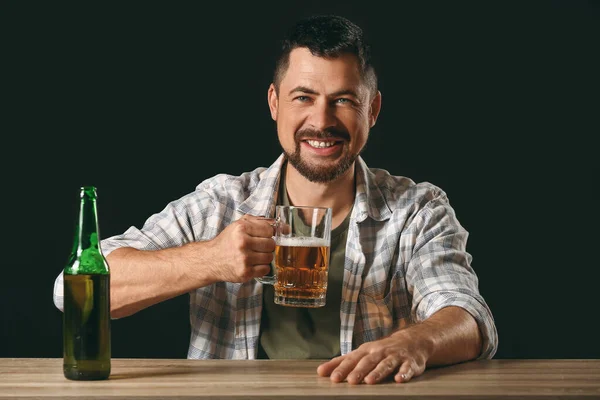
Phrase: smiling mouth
pixel 321 144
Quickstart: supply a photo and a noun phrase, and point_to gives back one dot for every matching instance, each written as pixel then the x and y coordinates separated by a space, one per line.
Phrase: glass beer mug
pixel 302 247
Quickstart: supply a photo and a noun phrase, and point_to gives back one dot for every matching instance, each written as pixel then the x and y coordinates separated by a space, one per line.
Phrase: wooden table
pixel 38 378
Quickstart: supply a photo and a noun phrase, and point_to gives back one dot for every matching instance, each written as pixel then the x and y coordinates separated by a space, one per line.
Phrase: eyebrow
pixel 304 89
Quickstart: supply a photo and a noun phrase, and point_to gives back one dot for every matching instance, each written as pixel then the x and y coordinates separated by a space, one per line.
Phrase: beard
pixel 315 172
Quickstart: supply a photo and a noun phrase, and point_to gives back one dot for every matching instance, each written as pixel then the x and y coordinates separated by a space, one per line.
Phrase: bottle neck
pixel 87 257
pixel 87 229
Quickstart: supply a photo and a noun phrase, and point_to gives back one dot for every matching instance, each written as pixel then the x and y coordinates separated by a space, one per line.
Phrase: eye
pixel 302 98
pixel 343 100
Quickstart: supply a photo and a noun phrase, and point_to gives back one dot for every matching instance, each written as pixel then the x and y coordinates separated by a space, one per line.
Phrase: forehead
pixel 329 74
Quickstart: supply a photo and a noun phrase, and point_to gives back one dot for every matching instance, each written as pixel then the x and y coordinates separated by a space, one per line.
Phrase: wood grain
pixel 33 378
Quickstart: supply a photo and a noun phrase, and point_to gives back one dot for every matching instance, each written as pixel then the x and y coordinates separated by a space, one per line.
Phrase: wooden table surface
pixel 42 378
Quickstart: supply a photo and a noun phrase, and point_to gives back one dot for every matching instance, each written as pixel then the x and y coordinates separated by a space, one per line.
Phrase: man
pixel 402 294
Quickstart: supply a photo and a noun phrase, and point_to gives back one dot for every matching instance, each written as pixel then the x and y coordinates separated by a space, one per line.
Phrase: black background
pixel 494 101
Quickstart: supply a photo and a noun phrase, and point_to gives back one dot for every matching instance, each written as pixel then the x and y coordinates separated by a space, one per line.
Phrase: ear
pixel 273 101
pixel 374 109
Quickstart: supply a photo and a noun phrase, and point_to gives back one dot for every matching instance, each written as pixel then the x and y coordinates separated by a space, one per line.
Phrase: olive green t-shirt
pixel 302 333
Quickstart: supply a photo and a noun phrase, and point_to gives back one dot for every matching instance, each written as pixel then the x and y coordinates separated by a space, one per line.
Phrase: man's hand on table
pixel 374 361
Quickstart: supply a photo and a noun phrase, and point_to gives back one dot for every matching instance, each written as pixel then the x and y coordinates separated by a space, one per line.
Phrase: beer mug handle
pixel 270 279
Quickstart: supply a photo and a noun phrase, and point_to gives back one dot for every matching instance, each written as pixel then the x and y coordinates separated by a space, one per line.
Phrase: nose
pixel 322 115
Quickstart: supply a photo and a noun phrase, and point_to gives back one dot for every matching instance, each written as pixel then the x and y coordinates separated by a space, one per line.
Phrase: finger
pixel 405 373
pixel 257 228
pixel 346 366
pixel 255 218
pixel 256 258
pixel 270 221
pixel 327 368
pixel 262 244
pixel 364 367
pixel 382 370
pixel 260 270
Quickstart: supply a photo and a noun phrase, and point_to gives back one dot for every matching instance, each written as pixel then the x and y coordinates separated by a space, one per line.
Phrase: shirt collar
pixel 369 201
pixel 262 200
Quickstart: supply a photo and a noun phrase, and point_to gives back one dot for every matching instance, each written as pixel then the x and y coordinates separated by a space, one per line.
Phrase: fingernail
pixel 404 376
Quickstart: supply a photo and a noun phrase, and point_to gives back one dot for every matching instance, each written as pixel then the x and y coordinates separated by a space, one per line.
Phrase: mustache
pixel 328 133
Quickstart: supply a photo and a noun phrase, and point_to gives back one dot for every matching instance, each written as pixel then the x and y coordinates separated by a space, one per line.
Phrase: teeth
pixel 320 145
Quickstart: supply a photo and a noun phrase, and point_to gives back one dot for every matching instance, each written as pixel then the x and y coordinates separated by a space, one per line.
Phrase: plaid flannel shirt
pixel 405 259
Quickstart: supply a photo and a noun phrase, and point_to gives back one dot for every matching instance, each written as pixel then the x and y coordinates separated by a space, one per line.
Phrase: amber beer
pixel 302 265
pixel 302 237
pixel 87 353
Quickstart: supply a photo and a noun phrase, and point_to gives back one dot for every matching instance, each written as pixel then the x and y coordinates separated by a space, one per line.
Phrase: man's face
pixel 323 114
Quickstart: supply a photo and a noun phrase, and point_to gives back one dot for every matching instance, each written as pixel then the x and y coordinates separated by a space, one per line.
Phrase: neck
pixel 338 194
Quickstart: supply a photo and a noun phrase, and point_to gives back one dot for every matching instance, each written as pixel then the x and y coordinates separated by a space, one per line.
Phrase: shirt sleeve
pixel 174 226
pixel 440 271
pixel 58 292
pixel 171 227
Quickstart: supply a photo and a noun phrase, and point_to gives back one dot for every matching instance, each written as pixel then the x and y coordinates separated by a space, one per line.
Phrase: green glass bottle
pixel 86 316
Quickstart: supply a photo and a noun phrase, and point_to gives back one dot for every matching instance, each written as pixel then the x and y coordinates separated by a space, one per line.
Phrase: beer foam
pixel 301 242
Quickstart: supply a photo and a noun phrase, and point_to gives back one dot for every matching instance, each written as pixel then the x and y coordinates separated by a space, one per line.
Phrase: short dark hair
pixel 327 36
